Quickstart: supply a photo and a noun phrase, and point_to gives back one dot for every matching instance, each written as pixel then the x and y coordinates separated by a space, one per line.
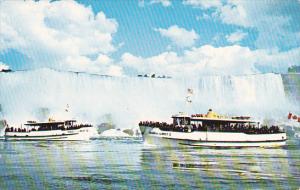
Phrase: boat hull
pixel 211 139
pixel 53 135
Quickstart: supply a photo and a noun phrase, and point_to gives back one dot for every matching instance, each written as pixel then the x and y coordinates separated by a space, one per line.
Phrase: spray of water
pixel 124 101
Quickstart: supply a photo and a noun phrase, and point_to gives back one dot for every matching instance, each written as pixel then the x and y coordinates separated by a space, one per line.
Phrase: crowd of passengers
pixel 47 128
pixel 244 128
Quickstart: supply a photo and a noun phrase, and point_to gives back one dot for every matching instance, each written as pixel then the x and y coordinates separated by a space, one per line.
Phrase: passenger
pixel 171 127
pixel 194 127
pixel 185 129
pixel 231 127
pixel 227 128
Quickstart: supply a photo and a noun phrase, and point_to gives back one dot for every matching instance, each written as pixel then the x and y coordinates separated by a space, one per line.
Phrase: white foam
pixel 114 133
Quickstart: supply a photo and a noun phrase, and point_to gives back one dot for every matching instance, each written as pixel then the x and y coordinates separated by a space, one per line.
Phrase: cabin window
pixel 181 121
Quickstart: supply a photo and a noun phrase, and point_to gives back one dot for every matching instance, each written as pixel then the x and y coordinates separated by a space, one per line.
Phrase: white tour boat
pixel 51 130
pixel 212 130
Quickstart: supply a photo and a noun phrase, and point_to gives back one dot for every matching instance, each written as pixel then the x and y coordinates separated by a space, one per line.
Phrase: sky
pixel 175 38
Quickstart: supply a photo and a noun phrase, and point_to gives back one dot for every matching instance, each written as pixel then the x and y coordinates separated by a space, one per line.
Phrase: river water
pixel 115 163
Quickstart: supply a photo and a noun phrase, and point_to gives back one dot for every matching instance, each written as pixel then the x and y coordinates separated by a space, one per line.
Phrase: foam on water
pixel 114 133
pixel 40 94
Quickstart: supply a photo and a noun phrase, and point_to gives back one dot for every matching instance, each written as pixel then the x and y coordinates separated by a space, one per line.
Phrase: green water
pixel 130 164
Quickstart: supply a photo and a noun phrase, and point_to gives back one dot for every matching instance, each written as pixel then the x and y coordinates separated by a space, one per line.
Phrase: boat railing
pixel 72 127
pixel 248 129
pixel 48 128
pixel 12 129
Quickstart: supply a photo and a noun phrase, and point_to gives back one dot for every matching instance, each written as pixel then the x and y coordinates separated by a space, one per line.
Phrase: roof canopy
pixel 181 115
pixel 48 123
pixel 45 123
pixel 223 120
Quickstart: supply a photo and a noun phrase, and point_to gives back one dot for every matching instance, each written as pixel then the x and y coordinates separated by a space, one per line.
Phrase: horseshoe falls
pixel 124 101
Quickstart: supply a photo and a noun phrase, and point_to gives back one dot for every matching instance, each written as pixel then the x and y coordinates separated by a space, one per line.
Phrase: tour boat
pixel 51 130
pixel 212 130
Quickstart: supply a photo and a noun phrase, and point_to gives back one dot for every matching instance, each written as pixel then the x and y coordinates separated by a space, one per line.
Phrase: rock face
pixel 2 127
pixel 104 127
pixel 129 132
pixel 294 69
pixel 291 83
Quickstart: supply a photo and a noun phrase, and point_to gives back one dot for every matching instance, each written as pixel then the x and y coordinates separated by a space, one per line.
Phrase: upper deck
pixel 231 120
pixel 213 117
pixel 49 123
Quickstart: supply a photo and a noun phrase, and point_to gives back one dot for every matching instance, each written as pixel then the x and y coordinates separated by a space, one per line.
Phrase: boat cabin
pixel 223 124
pixel 53 125
pixel 181 119
pixel 45 126
pixel 205 121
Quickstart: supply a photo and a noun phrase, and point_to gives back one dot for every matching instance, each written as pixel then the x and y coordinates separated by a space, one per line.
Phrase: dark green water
pixel 129 164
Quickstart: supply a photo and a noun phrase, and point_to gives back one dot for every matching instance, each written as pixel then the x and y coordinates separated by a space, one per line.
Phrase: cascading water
pixel 40 94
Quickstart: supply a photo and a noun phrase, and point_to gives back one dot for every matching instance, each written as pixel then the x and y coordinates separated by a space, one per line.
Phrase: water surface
pixel 130 164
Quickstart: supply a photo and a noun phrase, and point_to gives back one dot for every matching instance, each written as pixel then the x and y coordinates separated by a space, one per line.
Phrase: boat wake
pixel 114 133
pixel 120 133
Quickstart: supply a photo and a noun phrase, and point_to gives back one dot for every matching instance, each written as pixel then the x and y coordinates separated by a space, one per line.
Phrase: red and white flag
pixel 293 117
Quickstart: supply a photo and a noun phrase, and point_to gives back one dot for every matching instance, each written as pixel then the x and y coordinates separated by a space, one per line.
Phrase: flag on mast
pixel 188 99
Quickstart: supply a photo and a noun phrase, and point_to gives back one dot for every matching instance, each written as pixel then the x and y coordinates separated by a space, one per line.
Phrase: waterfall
pixel 124 101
